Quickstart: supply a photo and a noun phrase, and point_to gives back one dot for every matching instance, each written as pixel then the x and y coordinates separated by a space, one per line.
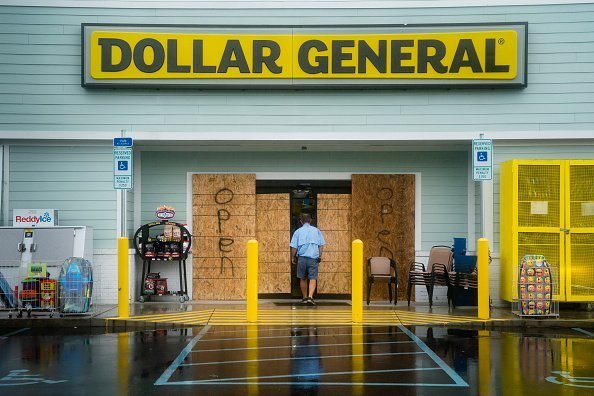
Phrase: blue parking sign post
pixel 122 168
pixel 482 159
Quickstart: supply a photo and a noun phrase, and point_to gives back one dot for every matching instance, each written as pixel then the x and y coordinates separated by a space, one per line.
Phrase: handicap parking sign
pixel 122 165
pixel 481 156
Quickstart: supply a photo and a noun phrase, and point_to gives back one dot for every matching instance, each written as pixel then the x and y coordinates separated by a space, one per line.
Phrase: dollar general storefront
pixel 244 117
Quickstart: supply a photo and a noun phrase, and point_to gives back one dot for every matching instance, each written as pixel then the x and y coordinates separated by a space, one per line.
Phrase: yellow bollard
pixel 483 279
pixel 252 281
pixel 123 281
pixel 358 360
pixel 484 362
pixel 357 282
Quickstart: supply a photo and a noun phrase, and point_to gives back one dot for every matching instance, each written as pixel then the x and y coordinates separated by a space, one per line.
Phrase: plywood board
pixel 383 217
pixel 334 221
pixel 273 225
pixel 224 219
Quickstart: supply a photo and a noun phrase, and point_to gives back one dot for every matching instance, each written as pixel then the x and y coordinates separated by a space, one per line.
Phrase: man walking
pixel 307 245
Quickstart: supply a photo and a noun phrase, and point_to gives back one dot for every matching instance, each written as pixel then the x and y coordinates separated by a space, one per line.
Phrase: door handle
pixel 21 247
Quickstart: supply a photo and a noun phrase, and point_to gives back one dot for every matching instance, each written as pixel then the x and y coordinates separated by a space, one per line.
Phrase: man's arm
pixel 293 253
pixel 321 251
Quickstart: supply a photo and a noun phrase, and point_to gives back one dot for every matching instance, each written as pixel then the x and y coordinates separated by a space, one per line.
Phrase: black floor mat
pixel 298 303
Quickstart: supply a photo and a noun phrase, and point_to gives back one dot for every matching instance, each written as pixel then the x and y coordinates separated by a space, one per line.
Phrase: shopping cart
pixel 21 291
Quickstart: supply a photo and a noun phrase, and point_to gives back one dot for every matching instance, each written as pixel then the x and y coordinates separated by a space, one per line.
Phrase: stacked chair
pixel 437 273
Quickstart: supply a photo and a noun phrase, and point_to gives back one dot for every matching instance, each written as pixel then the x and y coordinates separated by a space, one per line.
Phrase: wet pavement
pixel 299 360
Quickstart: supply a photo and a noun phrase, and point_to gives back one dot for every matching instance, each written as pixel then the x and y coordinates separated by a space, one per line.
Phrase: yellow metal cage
pixel 547 207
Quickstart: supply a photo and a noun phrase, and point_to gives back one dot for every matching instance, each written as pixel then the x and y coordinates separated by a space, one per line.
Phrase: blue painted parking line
pixel 304 346
pixel 586 332
pixel 180 358
pixel 449 371
pixel 230 381
pixel 305 378
pixel 296 336
pixel 301 358
pixel 5 336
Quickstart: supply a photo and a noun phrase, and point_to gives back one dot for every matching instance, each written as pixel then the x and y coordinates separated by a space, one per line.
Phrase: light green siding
pixel 40 78
pixel 76 180
pixel 444 179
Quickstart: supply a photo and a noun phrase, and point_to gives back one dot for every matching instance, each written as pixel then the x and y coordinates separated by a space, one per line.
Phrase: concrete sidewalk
pixel 332 312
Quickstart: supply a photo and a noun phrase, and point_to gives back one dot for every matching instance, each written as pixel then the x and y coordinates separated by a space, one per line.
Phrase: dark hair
pixel 305 218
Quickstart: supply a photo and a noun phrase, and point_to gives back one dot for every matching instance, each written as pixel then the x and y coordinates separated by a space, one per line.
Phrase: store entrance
pixel 303 198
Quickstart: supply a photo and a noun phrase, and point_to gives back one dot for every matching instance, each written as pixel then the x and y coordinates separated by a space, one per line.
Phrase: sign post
pixel 482 159
pixel 122 180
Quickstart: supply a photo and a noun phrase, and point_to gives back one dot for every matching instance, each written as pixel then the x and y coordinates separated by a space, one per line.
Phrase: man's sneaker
pixel 311 301
pixel 304 300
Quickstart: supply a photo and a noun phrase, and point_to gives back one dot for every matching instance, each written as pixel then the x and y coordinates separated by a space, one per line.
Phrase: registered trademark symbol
pixel 501 41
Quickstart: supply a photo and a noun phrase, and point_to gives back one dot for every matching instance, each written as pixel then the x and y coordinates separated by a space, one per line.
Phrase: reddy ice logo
pixel 45 218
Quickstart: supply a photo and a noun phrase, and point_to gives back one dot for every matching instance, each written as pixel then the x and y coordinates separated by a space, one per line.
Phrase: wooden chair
pixel 437 272
pixel 382 269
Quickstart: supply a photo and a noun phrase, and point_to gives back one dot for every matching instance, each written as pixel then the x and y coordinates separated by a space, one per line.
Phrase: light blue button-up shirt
pixel 307 240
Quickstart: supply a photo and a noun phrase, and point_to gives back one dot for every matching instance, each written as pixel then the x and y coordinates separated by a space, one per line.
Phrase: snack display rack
pixel 537 286
pixel 166 241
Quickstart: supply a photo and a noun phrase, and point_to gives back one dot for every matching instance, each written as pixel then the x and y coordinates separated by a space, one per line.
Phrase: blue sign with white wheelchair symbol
pixel 122 165
pixel 481 156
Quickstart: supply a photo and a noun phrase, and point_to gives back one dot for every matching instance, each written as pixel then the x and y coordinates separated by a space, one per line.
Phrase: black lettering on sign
pixel 490 66
pixel 269 60
pixel 321 62
pixel 172 65
pixel 107 47
pixel 338 56
pixel 223 196
pixel 398 56
pixel 379 60
pixel 199 66
pixel 222 215
pixel 466 56
pixel 424 58
pixel 158 55
pixel 233 56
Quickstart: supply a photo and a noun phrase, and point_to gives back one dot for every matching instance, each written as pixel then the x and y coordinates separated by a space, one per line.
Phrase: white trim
pixel 5 184
pixel 325 176
pixel 190 227
pixel 471 245
pixel 137 181
pixel 280 4
pixel 315 136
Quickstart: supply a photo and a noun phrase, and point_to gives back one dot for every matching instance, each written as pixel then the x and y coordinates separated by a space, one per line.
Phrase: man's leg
pixel 303 285
pixel 312 287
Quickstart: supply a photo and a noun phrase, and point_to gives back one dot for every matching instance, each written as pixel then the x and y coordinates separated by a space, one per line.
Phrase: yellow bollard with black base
pixel 483 279
pixel 123 281
pixel 357 282
pixel 252 281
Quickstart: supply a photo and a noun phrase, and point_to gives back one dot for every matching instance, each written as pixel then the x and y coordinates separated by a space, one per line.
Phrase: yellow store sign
pixel 372 56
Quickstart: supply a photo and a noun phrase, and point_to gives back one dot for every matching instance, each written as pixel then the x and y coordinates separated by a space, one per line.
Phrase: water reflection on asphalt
pixel 308 360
